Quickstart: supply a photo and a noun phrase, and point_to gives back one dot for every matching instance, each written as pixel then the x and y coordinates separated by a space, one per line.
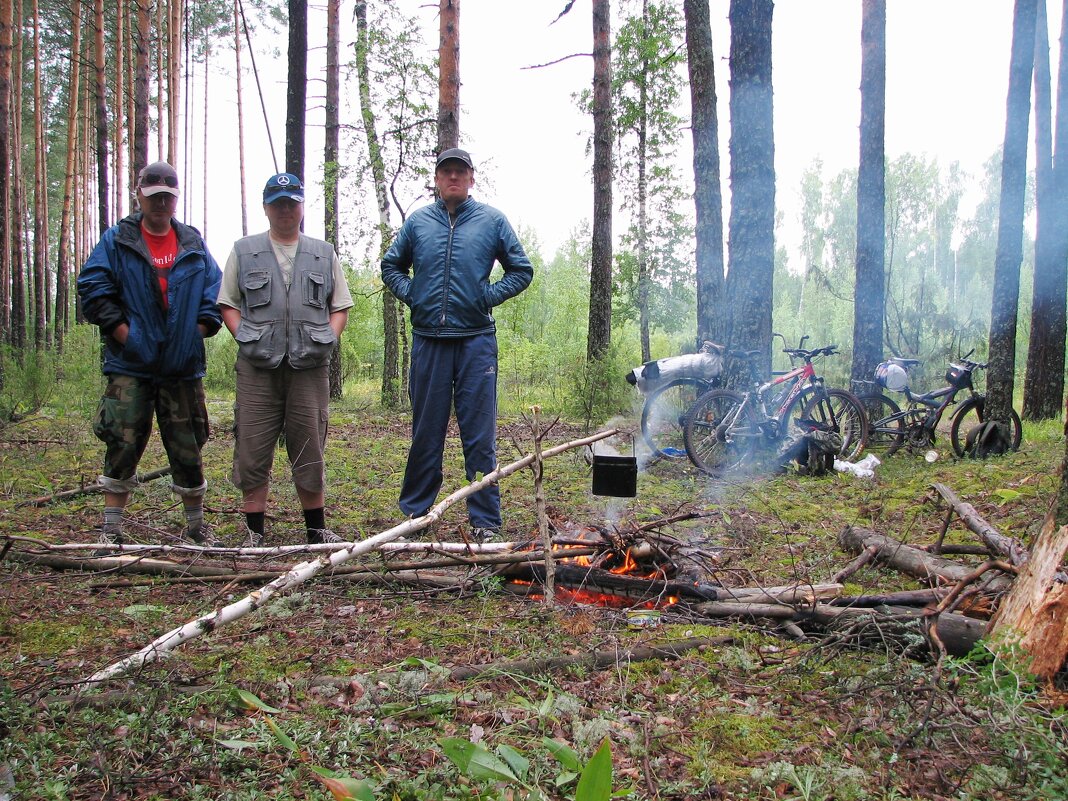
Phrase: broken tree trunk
pixel 300 573
pixel 1034 615
pixel 999 544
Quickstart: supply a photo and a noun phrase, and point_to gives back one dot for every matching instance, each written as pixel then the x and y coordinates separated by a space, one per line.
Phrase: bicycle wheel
pixel 886 430
pixel 970 415
pixel 842 412
pixel 720 431
pixel 664 415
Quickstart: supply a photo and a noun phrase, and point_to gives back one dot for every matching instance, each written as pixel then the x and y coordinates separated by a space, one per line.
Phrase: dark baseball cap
pixel 454 153
pixel 157 178
pixel 284 184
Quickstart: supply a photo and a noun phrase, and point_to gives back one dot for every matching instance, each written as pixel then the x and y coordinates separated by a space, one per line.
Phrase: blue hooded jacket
pixel 449 289
pixel 118 284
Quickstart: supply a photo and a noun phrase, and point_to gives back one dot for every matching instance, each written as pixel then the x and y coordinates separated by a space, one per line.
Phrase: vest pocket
pixel 314 285
pixel 314 346
pixel 257 288
pixel 255 341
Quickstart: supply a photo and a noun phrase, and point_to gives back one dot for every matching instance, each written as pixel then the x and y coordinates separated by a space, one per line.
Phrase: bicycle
pixel 723 428
pixel 665 407
pixel 918 425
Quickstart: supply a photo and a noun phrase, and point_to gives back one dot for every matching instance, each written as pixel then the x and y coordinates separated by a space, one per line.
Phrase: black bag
pixel 987 439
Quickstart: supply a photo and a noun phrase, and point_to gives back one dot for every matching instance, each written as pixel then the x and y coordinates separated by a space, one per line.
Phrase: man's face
pixel 284 216
pixel 157 209
pixel 454 180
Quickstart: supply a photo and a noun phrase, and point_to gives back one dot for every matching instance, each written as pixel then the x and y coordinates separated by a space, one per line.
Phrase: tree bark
pixel 600 322
pixel 1001 372
pixel 6 44
pixel 240 118
pixel 297 87
pixel 449 74
pixel 1044 380
pixel 708 197
pixel 751 259
pixel 1034 615
pixel 63 250
pixel 100 55
pixel 869 299
pixel 40 196
pixel 331 167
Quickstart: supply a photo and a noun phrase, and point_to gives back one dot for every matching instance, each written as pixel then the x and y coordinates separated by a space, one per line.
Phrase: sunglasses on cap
pixel 155 179
pixel 278 190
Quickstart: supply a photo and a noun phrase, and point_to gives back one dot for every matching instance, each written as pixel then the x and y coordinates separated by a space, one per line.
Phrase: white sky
pixel 947 78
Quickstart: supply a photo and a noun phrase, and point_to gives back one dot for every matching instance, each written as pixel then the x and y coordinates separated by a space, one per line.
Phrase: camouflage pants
pixel 124 423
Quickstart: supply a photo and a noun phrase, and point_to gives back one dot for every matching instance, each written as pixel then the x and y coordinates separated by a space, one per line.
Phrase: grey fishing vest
pixel 276 323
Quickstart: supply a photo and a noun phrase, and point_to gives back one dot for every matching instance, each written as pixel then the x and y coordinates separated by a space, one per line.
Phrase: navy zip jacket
pixel 448 289
pixel 118 284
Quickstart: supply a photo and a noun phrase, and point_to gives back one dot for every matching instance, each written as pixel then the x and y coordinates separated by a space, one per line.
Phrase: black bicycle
pixel 724 428
pixel 921 423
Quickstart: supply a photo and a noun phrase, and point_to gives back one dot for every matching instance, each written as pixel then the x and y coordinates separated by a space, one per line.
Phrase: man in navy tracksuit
pixel 439 265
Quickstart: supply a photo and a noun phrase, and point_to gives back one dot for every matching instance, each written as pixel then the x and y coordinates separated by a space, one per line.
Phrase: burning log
pixel 605 587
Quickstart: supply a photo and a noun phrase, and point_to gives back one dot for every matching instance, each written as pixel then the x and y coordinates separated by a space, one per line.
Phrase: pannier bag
pixel 958 376
pixel 706 365
pixel 891 376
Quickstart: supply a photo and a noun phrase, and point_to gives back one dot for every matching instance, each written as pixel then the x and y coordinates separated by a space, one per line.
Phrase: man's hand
pixel 120 333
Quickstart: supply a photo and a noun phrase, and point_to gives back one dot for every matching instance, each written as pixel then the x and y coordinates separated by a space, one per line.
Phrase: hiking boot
pixel 485 534
pixel 203 536
pixel 320 535
pixel 253 539
pixel 112 535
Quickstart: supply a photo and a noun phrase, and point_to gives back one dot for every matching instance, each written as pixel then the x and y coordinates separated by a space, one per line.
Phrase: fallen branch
pixel 306 570
pixel 998 544
pixel 910 560
pixel 96 486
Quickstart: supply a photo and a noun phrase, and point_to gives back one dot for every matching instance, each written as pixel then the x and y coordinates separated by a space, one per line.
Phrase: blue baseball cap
pixel 283 185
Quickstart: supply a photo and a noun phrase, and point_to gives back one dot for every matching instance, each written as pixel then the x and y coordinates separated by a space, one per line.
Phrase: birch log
pixel 302 572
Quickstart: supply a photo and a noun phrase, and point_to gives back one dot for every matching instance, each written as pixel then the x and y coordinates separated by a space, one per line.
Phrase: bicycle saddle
pixel 906 363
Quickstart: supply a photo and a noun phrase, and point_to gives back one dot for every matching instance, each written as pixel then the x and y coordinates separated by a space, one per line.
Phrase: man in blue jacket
pixel 150 284
pixel 439 265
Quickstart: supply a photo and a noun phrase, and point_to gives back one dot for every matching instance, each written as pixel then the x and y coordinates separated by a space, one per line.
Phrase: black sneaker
pixel 485 534
pixel 319 535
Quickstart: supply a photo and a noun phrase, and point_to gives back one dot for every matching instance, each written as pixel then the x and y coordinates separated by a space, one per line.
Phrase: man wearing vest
pixel 285 300
pixel 150 285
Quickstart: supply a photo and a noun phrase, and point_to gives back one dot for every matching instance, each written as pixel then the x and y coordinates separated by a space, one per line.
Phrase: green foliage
pixel 39 380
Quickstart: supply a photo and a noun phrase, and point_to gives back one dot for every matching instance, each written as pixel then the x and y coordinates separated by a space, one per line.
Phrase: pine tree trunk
pixel 869 293
pixel 140 94
pixel 600 322
pixel 297 87
pixel 17 333
pixel 708 197
pixel 1001 373
pixel 100 57
pixel 643 196
pixel 1044 381
pixel 119 54
pixel 40 196
pixel 174 75
pixel 751 260
pixel 63 255
pixel 449 74
pixel 6 45
pixel 330 160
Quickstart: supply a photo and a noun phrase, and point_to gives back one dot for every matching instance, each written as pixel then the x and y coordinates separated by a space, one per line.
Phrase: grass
pixel 764 717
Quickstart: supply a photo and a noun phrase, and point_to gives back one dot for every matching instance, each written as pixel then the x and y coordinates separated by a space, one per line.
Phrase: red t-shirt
pixel 164 250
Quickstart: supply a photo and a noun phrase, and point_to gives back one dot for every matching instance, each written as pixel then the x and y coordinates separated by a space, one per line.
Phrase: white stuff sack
pixel 705 365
